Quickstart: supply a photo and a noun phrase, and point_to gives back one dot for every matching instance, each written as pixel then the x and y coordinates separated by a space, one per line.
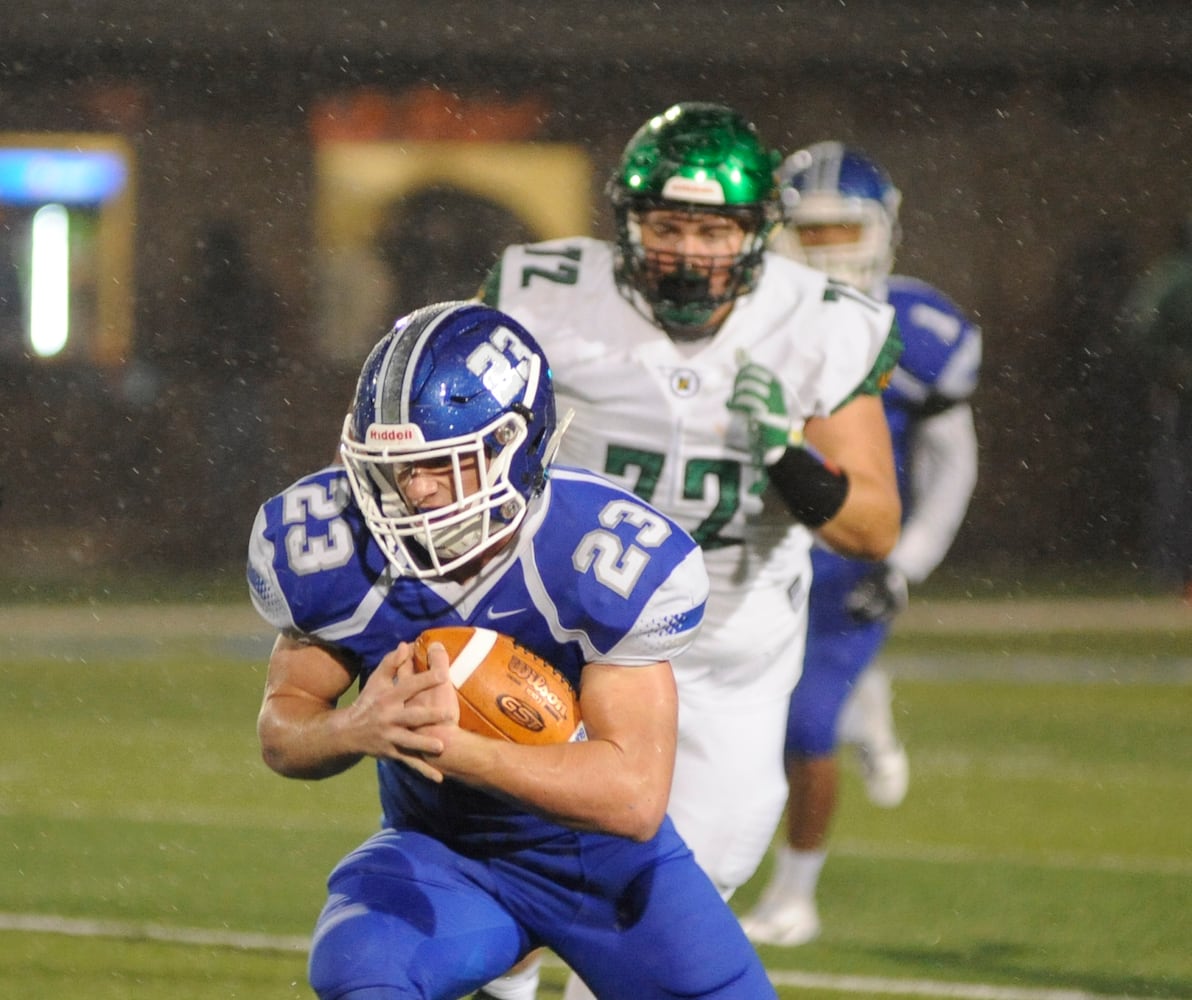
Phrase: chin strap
pixel 556 439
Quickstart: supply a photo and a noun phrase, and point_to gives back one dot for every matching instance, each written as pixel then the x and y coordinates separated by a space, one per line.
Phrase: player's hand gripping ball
pixel 505 691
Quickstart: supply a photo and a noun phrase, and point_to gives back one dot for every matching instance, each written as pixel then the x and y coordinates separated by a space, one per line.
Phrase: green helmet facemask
pixel 699 159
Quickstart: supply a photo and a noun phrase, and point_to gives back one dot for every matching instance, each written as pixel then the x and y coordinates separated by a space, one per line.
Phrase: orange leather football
pixel 505 691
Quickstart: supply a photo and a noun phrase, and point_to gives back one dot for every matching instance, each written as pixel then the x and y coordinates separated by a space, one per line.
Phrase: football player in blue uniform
pixel 447 510
pixel 841 213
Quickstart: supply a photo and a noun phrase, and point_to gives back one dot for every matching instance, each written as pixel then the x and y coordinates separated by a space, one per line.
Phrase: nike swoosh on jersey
pixel 495 615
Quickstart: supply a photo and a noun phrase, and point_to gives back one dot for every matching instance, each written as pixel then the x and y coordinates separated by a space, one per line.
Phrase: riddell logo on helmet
pixel 393 432
pixel 706 192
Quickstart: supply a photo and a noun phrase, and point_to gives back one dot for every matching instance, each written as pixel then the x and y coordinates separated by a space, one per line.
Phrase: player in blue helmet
pixel 475 395
pixel 841 216
pixel 448 511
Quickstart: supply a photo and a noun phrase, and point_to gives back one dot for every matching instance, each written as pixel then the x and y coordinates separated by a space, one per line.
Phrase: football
pixel 505 691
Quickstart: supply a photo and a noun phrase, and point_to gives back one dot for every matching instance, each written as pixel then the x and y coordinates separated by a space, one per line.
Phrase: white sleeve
pixel 943 460
pixel 264 587
pixel 670 621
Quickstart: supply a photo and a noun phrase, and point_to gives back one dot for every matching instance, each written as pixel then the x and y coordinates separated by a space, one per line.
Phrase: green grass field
pixel 1044 852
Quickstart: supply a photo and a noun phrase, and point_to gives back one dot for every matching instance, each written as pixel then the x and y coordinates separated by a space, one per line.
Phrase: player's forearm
pixel 852 446
pixel 587 785
pixel 867 526
pixel 943 476
pixel 303 740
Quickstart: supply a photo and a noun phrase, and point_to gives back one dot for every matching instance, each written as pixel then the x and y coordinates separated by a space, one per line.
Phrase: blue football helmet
pixel 830 184
pixel 453 386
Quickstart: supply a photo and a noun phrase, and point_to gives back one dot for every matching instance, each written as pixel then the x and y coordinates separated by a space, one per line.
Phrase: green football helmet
pixel 700 159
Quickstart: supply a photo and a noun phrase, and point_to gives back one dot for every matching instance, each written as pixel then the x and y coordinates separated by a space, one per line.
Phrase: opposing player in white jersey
pixel 703 372
pixel 842 218
pixel 447 510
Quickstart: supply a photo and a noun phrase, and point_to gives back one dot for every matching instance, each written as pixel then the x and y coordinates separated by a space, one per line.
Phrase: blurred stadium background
pixel 252 191
pixel 238 198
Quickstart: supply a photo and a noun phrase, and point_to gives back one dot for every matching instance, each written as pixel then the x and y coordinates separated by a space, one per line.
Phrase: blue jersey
pixel 594 575
pixel 938 369
pixel 939 366
pixel 458 884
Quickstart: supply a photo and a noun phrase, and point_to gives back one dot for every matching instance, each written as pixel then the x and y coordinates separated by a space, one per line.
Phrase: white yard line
pixel 251 941
pixel 129 930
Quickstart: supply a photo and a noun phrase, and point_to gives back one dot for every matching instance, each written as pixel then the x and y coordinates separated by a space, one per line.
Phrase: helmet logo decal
pixel 701 190
pixel 504 379
pixel 684 382
pixel 394 433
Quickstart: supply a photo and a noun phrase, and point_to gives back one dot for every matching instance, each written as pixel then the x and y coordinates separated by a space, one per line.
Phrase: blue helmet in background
pixel 450 384
pixel 829 184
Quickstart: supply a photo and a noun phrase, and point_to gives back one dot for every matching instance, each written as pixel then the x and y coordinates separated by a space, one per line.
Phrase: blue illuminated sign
pixel 68 176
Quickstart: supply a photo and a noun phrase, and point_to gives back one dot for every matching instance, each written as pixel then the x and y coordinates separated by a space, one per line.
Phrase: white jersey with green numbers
pixel 651 414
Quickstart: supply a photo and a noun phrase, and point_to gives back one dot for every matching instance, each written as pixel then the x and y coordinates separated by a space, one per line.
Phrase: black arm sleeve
pixel 812 490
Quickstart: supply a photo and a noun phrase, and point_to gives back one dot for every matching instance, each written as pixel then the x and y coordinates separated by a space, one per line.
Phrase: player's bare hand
pixel 397 702
pixel 440 697
pixel 444 701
